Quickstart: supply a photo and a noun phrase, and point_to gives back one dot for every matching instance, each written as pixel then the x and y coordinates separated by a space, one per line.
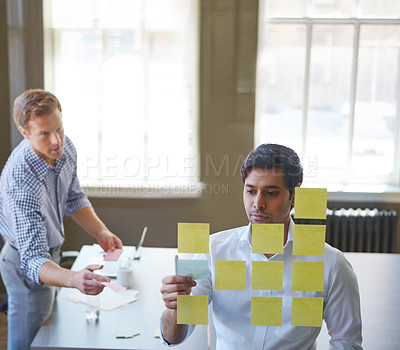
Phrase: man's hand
pixel 108 241
pixel 87 281
pixel 90 222
pixel 172 286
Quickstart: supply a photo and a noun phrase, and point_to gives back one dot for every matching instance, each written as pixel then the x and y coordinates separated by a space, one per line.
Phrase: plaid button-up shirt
pixel 34 197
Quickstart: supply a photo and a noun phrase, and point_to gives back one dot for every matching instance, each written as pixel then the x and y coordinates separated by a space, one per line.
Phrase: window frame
pixel 142 188
pixel 390 185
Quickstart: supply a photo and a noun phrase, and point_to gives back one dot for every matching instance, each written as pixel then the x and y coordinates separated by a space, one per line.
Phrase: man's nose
pixel 55 138
pixel 260 202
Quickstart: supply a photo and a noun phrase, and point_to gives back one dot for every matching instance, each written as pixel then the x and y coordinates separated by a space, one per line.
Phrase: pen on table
pixel 127 336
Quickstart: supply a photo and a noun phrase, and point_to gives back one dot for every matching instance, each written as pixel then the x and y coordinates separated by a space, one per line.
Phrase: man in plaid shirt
pixel 38 186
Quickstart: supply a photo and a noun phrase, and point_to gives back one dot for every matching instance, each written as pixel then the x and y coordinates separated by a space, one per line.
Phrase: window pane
pixel 380 8
pixel 332 8
pixel 287 8
pixel 377 93
pixel 330 80
pixel 280 91
pixel 125 71
pixel 93 13
pixel 348 60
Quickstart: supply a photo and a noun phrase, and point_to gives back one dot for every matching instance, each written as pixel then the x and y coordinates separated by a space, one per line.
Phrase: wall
pixel 5 138
pixel 228 42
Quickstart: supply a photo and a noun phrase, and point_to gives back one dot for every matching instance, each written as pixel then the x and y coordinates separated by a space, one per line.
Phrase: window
pixel 125 72
pixel 329 84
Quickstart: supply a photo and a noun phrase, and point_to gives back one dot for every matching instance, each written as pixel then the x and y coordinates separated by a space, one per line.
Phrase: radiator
pixel 362 230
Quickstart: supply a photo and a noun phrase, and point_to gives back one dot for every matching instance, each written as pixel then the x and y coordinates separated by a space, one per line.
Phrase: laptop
pixel 140 244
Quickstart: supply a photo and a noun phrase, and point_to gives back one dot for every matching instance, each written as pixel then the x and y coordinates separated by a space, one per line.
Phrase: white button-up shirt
pixel 231 308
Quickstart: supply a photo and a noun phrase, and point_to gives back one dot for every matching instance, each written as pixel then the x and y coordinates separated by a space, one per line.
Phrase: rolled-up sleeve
pixel 191 328
pixel 22 209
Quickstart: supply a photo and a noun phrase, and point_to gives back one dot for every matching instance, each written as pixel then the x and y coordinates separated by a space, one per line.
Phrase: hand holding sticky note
pixel 112 255
pixel 114 286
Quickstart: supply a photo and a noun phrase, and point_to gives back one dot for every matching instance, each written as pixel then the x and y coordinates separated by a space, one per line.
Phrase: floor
pixel 3 327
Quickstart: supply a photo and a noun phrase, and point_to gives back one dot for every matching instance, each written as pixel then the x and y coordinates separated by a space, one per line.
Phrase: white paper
pixel 107 300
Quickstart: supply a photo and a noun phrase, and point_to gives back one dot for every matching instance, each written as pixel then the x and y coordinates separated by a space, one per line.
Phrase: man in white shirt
pixel 270 174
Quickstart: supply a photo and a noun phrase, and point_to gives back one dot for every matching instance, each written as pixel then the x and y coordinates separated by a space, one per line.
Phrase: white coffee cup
pixel 125 276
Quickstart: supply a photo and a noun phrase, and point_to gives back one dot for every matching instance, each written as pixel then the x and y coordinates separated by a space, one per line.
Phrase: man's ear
pixel 23 132
pixel 293 194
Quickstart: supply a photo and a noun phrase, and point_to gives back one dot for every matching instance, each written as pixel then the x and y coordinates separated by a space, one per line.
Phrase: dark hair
pixel 270 156
pixel 34 102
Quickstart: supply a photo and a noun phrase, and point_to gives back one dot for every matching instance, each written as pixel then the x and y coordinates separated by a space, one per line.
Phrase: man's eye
pixel 45 133
pixel 271 194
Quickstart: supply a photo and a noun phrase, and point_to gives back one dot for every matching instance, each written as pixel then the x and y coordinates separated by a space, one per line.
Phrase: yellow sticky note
pixel 266 311
pixel 308 276
pixel 230 275
pixel 193 238
pixel 310 203
pixel 192 309
pixel 267 275
pixel 307 311
pixel 309 240
pixel 267 238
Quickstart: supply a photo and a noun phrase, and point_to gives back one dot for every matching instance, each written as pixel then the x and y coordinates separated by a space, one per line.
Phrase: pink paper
pixel 112 255
pixel 114 286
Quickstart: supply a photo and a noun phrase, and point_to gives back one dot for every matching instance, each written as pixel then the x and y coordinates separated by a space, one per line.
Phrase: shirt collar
pixel 291 230
pixel 39 165
pixel 246 235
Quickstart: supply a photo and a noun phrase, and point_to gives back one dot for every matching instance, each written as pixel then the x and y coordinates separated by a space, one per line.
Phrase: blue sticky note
pixel 197 269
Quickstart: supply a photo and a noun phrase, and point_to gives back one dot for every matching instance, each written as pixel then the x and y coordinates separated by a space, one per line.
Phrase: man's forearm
pixel 89 221
pixel 85 280
pixel 172 332
pixel 54 275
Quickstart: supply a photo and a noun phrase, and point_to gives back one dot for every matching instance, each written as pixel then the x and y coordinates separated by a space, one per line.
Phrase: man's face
pixel 266 197
pixel 46 136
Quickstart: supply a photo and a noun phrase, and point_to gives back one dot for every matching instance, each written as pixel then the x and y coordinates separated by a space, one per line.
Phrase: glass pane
pixel 329 91
pixel 380 8
pixel 332 8
pixel 167 85
pixel 280 85
pixel 375 120
pixel 94 13
pixel 78 67
pixel 122 116
pixel 125 71
pixel 287 8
